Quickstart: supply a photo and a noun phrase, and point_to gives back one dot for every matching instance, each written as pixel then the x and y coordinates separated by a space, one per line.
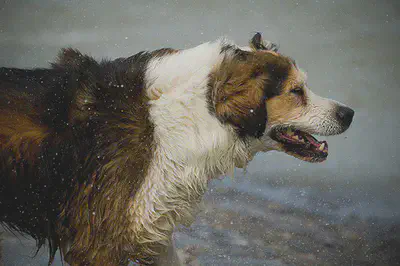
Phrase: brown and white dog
pixel 104 159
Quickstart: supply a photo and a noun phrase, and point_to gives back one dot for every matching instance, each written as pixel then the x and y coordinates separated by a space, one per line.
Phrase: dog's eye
pixel 298 91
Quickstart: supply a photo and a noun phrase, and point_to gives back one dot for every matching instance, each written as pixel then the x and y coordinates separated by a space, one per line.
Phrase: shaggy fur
pixel 104 159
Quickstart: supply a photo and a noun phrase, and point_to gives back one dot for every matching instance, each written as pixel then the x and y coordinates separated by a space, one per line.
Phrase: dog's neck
pixel 182 112
pixel 189 67
pixel 191 145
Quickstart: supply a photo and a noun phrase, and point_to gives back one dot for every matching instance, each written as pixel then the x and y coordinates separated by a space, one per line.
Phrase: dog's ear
pixel 237 97
pixel 257 43
pixel 240 87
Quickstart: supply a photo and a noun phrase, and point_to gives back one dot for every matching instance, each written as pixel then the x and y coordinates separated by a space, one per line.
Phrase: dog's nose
pixel 345 115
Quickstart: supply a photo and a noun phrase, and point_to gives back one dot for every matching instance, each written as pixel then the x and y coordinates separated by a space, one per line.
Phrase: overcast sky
pixel 350 50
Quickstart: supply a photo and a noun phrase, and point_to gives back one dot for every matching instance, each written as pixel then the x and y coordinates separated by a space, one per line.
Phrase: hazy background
pixel 350 50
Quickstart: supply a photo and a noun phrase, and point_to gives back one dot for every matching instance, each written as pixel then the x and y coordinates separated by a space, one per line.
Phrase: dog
pixel 103 159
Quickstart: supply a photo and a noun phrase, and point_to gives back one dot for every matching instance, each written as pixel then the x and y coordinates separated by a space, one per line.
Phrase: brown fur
pixel 242 85
pixel 20 135
pixel 81 148
pixel 97 213
pixel 287 106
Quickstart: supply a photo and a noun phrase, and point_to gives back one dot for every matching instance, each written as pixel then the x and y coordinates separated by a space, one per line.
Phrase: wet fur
pixel 104 159
pixel 75 144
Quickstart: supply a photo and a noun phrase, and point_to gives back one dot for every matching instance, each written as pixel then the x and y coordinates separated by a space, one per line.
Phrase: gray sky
pixel 350 50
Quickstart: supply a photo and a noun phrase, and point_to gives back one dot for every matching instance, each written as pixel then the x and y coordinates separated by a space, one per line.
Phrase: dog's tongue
pixel 320 145
pixel 297 136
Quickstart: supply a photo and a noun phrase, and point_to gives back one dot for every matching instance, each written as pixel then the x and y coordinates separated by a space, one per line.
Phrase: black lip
pixel 310 155
pixel 304 151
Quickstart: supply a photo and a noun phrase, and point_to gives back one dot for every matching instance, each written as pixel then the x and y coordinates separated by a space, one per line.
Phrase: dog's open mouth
pixel 300 144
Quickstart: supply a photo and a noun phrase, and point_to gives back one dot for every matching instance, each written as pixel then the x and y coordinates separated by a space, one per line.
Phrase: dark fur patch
pixel 76 142
pixel 239 89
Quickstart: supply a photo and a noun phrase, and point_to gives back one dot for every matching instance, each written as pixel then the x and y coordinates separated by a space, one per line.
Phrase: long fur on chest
pixel 191 145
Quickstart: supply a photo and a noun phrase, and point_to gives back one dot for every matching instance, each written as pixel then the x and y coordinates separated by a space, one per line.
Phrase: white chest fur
pixel 191 145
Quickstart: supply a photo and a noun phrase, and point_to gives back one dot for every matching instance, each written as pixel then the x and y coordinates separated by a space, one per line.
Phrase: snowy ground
pixel 247 223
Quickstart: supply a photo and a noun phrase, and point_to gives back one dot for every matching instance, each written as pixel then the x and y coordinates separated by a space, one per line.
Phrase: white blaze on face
pixel 319 114
pixel 312 114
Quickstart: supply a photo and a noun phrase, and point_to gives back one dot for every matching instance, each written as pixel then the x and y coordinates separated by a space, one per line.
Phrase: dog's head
pixel 264 96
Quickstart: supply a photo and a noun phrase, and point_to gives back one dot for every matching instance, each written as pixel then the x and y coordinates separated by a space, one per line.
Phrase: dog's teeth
pixel 321 148
pixel 295 137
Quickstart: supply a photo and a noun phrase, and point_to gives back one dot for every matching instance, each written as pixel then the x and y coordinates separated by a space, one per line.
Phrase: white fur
pixel 191 145
pixel 318 116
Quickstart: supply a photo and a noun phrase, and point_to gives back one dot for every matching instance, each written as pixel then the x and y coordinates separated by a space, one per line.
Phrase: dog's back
pixel 55 136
